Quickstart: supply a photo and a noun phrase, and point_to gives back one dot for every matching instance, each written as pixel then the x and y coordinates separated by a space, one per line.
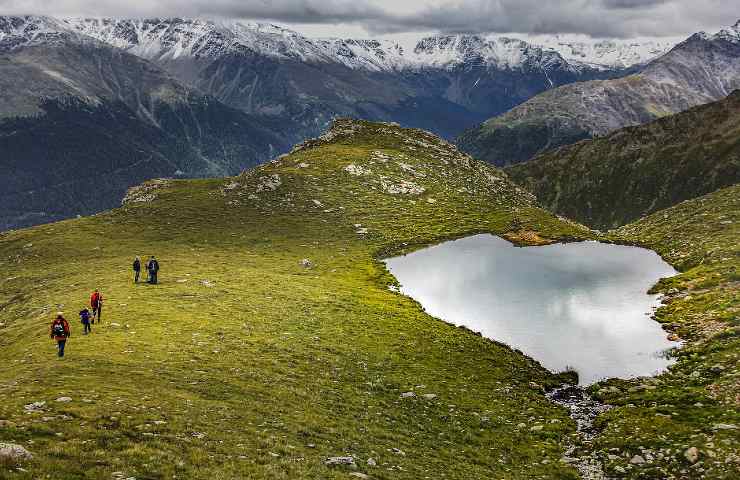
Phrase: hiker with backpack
pixel 153 267
pixel 96 302
pixel 85 319
pixel 137 269
pixel 60 332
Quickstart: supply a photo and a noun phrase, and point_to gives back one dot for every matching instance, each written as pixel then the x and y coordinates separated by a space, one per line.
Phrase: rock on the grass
pixel 64 399
pixel 333 461
pixel 356 170
pixel 359 475
pixel 34 407
pixel 408 395
pixel 691 454
pixel 724 426
pixel 371 462
pixel 429 396
pixel 14 452
pixel 306 263
pixel 637 460
pixel 403 187
pixel 268 183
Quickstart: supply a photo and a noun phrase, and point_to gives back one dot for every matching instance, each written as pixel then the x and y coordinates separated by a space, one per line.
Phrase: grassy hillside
pixel 696 405
pixel 612 180
pixel 246 361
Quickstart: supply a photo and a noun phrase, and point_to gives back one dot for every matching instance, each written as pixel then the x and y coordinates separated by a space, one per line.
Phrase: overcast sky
pixel 365 18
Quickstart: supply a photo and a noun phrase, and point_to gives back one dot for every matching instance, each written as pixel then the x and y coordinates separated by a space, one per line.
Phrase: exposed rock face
pixel 699 70
pixel 612 180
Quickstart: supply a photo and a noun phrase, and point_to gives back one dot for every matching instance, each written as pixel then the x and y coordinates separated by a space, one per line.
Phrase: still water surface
pixel 579 305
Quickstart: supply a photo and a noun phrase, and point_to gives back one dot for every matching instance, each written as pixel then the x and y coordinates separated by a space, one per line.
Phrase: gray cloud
pixel 600 18
pixel 632 3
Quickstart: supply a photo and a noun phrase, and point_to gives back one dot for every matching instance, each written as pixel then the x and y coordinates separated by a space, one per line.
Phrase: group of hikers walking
pixel 60 330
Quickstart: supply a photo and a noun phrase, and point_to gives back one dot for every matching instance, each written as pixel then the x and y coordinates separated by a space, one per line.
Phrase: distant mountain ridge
pixel 612 180
pixel 701 69
pixel 80 122
pixel 443 84
pixel 157 38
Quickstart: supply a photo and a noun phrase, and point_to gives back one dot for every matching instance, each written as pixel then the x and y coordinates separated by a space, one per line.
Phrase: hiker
pixel 137 269
pixel 60 332
pixel 96 302
pixel 153 267
pixel 85 319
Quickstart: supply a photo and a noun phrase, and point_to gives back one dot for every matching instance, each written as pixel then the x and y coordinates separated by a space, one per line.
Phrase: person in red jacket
pixel 96 302
pixel 60 332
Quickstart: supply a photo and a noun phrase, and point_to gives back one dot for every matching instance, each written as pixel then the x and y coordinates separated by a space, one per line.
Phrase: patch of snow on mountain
pixel 164 39
pixel 604 53
pixel 729 34
pixel 16 31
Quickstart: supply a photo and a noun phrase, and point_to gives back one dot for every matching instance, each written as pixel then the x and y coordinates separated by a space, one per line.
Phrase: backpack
pixel 58 330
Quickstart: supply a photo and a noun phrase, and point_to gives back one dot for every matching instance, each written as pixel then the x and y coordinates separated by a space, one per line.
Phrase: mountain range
pixel 118 101
pixel 443 84
pixel 703 68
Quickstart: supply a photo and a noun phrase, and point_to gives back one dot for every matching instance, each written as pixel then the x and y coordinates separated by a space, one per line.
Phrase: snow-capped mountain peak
pixel 730 34
pixel 16 31
pixel 165 39
pixel 603 52
pixel 476 50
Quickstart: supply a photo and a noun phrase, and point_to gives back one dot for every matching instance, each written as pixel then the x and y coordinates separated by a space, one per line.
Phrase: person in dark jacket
pixel 137 269
pixel 96 303
pixel 85 319
pixel 153 267
pixel 60 332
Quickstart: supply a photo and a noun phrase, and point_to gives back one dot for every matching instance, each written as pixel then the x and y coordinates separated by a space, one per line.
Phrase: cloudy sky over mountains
pixel 599 18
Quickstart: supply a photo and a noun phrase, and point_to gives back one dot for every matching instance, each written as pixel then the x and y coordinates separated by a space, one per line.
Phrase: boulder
pixel 691 454
pixel 35 406
pixel 724 426
pixel 11 452
pixel 334 461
